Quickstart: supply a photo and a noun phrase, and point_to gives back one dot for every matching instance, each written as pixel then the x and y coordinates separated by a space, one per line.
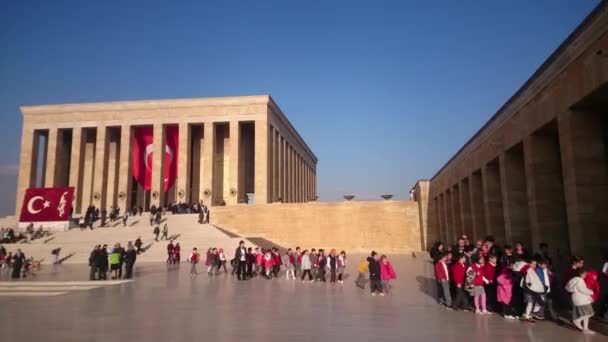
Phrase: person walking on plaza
pixel 240 256
pixel 115 261
pixel 332 266
pixel 125 217
pixel 306 266
pixel 170 252
pixel 290 266
pixel 130 257
pixel 442 275
pixel 387 273
pixel 374 275
pixel 341 266
pixel 18 261
pixel 102 261
pixel 177 253
pixel 362 269
pixel 193 259
pixel 93 263
pixel 320 265
pixel 221 261
pixel 165 232
pixel 156 232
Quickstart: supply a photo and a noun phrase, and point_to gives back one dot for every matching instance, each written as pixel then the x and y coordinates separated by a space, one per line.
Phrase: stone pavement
pixel 165 304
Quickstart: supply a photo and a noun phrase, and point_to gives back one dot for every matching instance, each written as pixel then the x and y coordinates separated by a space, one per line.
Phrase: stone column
pixel 478 216
pixel 100 173
pixel 235 181
pixel 456 218
pixel 208 152
pixel 281 160
pixel 51 158
pixel 492 199
pixel 183 163
pixel 112 173
pixel 583 139
pixel 27 158
pixel 158 166
pixel 261 162
pixel 545 192
pixel 446 217
pixel 289 174
pixel 514 197
pixel 76 167
pixel 298 180
pixel 125 177
pixel 465 208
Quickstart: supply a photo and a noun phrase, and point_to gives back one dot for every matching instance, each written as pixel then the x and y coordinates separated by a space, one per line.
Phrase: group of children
pixel 380 271
pixel 512 282
pixel 308 266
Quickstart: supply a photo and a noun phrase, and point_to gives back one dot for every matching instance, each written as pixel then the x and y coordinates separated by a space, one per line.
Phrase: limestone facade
pixel 355 226
pixel 537 171
pixel 229 147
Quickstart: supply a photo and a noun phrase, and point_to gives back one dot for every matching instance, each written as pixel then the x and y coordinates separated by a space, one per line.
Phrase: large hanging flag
pixel 143 148
pixel 172 141
pixel 46 204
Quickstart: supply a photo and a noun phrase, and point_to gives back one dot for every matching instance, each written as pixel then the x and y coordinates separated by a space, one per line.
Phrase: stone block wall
pixel 384 226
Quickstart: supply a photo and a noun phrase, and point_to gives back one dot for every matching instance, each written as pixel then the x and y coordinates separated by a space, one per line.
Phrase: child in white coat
pixel 581 299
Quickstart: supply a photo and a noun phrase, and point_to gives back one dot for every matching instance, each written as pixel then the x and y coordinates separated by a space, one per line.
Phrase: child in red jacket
pixel 478 291
pixel 458 276
pixel 442 274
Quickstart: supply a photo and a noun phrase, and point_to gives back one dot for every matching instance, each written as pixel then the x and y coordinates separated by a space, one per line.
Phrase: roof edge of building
pixel 144 104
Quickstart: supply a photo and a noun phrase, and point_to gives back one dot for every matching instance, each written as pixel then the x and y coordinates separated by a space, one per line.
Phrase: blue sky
pixel 384 92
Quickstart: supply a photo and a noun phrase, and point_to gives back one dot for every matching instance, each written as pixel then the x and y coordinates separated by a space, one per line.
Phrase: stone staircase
pixel 183 228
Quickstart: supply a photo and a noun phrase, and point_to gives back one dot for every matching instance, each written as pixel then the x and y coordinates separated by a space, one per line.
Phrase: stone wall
pixel 384 226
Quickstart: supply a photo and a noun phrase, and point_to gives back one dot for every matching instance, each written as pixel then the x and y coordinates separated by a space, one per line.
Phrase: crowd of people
pixel 515 283
pixel 307 266
pixel 16 263
pixel 113 259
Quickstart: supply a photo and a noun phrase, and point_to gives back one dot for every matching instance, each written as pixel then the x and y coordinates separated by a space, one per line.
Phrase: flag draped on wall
pixel 46 204
pixel 143 148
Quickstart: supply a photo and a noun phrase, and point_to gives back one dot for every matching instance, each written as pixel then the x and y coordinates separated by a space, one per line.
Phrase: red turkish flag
pixel 142 156
pixel 143 148
pixel 46 204
pixel 172 141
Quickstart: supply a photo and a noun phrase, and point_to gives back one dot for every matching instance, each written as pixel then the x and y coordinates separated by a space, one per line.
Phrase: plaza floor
pixel 166 304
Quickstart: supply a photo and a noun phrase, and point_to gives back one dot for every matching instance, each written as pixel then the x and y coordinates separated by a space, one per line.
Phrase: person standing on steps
pixel 240 256
pixel 165 232
pixel 129 258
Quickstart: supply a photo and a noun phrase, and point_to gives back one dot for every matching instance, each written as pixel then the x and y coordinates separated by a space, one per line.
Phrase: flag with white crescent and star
pixel 143 149
pixel 46 204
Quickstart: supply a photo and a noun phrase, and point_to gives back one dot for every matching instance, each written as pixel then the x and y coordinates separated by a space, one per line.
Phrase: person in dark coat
pixel 102 261
pixel 129 258
pixel 93 259
pixel 374 274
pixel 240 257
pixel 18 261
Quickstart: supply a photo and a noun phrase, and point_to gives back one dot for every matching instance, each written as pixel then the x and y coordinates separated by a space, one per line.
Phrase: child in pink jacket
pixel 504 292
pixel 387 273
